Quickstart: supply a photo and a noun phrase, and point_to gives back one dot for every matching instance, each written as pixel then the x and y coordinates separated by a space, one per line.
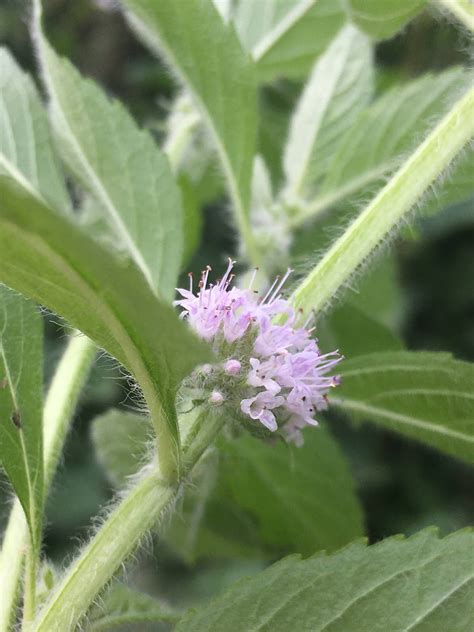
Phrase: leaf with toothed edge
pixel 419 584
pixel 119 165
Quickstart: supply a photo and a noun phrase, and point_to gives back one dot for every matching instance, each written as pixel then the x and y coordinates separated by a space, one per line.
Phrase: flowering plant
pixel 230 452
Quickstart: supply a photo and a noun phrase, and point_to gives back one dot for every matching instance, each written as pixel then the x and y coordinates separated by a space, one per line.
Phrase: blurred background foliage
pixel 402 485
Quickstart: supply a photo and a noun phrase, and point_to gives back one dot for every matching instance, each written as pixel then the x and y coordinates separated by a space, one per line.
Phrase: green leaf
pixel 422 584
pixel 354 333
pixel 425 396
pixel 47 258
pixel 339 87
pixel 382 136
pixel 383 18
pixel 21 403
pixel 120 165
pixel 121 440
pixel 26 151
pixel 301 499
pixel 285 37
pixel 123 606
pixel 208 58
pixel 389 207
pixel 253 499
pixel 456 187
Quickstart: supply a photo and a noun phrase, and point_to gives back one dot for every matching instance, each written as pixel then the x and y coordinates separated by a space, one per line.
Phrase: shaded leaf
pixel 21 403
pixel 354 333
pixel 121 166
pixel 302 499
pixel 425 396
pixel 26 151
pixel 121 442
pixel 421 584
pixel 122 605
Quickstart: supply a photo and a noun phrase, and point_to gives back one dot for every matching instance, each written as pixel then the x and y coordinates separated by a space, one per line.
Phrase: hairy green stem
pixel 388 208
pixel 29 591
pixel 463 10
pixel 144 505
pixel 61 401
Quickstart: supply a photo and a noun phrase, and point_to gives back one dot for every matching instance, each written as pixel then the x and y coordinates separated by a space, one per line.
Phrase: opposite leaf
pixel 207 56
pixel 26 151
pixel 425 396
pixel 21 403
pixel 49 259
pixel 380 139
pixel 120 165
pixel 288 35
pixel 422 584
pixel 383 18
pixel 339 87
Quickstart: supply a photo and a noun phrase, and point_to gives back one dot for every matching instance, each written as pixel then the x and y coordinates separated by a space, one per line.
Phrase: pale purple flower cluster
pixel 286 377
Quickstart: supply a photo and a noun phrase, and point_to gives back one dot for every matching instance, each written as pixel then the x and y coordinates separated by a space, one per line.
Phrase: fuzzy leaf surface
pixel 339 87
pixel 387 131
pixel 48 259
pixel 208 58
pixel 121 166
pixel 421 584
pixel 26 150
pixel 21 403
pixel 424 396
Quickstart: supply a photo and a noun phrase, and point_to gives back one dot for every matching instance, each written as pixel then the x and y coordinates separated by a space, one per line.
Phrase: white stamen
pixel 280 285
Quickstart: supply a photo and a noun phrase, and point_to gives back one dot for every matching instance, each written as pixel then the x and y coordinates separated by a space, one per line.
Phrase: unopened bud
pixel 232 367
pixel 216 398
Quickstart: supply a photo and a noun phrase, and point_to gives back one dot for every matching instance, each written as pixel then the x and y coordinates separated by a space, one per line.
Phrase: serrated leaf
pixel 387 131
pixel 339 87
pixel 301 499
pixel 120 165
pixel 21 403
pixel 425 396
pixel 207 56
pixel 284 36
pixel 121 441
pixel 47 258
pixel 383 18
pixel 26 151
pixel 422 584
pixel 123 606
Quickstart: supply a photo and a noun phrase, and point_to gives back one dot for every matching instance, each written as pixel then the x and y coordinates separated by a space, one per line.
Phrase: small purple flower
pixel 260 407
pixel 284 380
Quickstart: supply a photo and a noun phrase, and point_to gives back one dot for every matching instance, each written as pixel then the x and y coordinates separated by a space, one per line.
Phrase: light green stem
pixel 463 10
pixel 388 208
pixel 61 401
pixel 143 506
pixel 29 591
